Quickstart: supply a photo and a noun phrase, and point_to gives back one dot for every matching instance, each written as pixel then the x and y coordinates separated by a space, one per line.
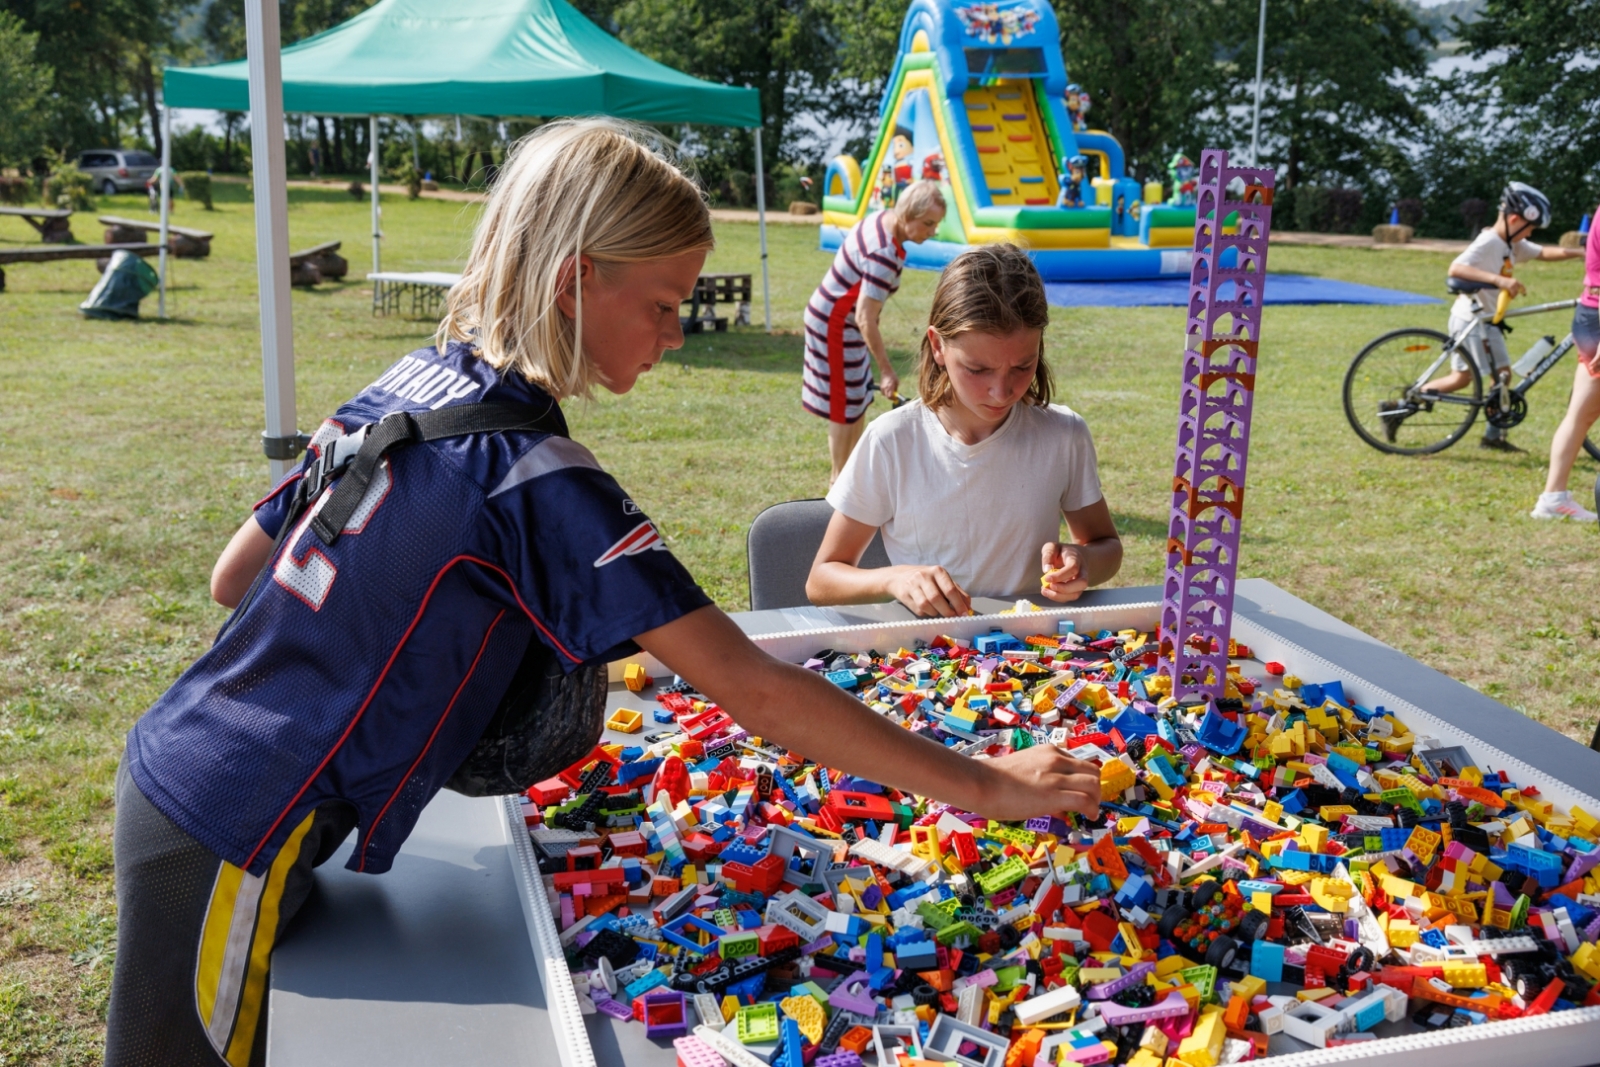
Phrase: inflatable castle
pixel 979 101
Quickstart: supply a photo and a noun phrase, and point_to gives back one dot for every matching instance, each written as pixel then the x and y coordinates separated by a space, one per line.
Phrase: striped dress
pixel 837 368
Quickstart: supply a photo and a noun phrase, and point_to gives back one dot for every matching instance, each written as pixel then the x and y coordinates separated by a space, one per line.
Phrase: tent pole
pixel 761 223
pixel 164 187
pixel 281 440
pixel 372 159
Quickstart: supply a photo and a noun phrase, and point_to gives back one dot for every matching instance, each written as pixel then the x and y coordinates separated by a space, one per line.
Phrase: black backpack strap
pixel 355 457
pixel 401 428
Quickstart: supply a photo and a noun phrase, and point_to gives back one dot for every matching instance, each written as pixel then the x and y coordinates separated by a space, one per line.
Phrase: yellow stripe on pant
pixel 236 949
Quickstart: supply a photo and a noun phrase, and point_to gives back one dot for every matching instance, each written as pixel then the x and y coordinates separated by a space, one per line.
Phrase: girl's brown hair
pixel 600 188
pixel 992 289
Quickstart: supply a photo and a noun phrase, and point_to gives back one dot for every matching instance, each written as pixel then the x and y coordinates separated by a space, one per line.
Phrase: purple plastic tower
pixel 1226 282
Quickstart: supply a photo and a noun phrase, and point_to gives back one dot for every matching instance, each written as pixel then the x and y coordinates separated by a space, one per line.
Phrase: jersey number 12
pixel 310 577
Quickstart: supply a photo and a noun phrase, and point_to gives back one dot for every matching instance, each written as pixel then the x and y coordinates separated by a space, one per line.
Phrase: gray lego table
pixel 432 963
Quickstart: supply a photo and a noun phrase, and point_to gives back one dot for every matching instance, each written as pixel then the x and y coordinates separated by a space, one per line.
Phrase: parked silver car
pixel 117 170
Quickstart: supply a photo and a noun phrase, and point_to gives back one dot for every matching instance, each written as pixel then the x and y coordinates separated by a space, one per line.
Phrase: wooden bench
pixel 184 242
pixel 711 290
pixel 52 224
pixel 100 253
pixel 318 263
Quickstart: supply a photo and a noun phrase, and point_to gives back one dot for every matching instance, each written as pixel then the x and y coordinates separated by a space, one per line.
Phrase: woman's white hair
pixel 600 188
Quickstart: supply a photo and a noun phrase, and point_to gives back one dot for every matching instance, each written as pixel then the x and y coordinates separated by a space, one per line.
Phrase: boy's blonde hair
pixel 593 187
pixel 920 199
pixel 992 289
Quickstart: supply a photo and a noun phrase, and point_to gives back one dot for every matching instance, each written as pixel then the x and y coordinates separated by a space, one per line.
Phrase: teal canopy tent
pixel 488 58
pixel 472 57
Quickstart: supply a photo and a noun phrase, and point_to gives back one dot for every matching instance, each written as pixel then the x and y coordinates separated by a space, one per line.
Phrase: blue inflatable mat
pixel 1174 292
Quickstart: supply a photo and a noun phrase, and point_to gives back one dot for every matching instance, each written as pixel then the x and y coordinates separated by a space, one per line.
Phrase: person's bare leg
pixel 842 438
pixel 1582 411
pixel 1450 383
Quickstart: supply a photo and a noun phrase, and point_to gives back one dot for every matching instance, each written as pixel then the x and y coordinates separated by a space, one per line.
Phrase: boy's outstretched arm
pixel 804 712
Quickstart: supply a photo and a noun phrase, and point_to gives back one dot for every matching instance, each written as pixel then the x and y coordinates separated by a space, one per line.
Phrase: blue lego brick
pixel 1394 838
pixel 1266 961
pixel 739 852
pixel 1066 626
pixel 1130 722
pixel 917 956
pixel 843 679
pixel 1292 802
pixel 662 715
pixel 1136 892
pixel 1221 734
pixel 632 772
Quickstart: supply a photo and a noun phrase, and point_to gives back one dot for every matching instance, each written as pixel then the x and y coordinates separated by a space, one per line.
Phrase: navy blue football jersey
pixel 364 672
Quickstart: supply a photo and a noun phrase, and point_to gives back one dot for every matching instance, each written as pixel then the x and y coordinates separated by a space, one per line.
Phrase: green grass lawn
pixel 128 456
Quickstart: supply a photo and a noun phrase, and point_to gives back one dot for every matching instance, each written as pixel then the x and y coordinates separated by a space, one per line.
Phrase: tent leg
pixel 165 188
pixel 377 232
pixel 281 440
pixel 761 223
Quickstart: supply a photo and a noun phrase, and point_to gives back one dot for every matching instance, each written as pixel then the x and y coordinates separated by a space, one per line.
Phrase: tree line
pixel 1356 115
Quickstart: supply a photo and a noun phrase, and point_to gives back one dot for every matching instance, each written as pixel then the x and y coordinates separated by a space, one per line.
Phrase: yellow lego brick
pixel 1316 994
pixel 1116 778
pixel 1423 842
pixel 634 677
pixel 1203 1047
pixel 1262 902
pixel 1145 1057
pixel 1465 975
pixel 1585 823
pixel 1170 966
pixel 625 721
pixel 1332 894
pixel 1587 960
pixel 1314 837
pixel 1249 987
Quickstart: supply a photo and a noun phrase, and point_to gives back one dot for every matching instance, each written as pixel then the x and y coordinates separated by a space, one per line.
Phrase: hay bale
pixel 1392 235
pixel 1573 239
pixel 802 207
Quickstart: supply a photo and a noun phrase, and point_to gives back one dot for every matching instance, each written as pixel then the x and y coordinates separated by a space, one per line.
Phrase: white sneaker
pixel 1561 506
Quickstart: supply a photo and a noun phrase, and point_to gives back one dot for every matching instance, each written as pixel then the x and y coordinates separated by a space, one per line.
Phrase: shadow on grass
pixel 741 349
pixel 1138 526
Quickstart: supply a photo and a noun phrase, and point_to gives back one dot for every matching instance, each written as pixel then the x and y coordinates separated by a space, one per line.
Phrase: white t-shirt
pixel 981 511
pixel 1488 251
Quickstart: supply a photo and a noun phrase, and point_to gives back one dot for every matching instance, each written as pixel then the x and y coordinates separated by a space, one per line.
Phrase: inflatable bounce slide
pixel 979 101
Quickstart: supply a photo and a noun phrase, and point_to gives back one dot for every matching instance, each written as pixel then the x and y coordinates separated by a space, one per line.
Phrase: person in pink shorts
pixel 1584 407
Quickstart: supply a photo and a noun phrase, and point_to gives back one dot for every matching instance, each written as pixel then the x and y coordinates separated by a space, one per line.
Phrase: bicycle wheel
pixel 1386 410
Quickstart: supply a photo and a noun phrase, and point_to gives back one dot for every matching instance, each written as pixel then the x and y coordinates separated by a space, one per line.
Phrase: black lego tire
pixel 1222 952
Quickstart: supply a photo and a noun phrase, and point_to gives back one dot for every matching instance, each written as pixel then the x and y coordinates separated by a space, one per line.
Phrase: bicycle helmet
pixel 1520 198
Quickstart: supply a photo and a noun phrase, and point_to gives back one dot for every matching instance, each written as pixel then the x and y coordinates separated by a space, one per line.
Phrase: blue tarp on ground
pixel 1174 292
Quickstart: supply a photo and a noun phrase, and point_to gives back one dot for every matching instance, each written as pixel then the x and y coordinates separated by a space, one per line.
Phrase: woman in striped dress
pixel 842 316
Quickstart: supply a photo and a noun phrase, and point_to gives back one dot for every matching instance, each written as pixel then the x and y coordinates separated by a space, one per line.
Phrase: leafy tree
pixel 1542 61
pixel 23 85
pixel 783 48
pixel 1339 83
pixel 1143 63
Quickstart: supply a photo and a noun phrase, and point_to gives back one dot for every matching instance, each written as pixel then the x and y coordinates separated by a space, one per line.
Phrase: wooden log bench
pixel 184 242
pixel 53 224
pixel 318 263
pixel 711 290
pixel 100 253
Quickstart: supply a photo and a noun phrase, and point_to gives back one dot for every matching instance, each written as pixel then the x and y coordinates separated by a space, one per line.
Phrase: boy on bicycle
pixel 1476 277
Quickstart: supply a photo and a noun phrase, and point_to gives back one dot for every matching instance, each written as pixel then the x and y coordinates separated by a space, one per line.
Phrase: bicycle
pixel 1388 408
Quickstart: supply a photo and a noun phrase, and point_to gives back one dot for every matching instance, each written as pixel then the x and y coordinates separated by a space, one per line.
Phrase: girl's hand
pixel 1511 285
pixel 929 591
pixel 1042 780
pixel 1063 579
pixel 888 383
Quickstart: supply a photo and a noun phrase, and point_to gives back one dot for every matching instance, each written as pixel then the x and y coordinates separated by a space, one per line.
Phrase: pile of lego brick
pixel 1283 862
